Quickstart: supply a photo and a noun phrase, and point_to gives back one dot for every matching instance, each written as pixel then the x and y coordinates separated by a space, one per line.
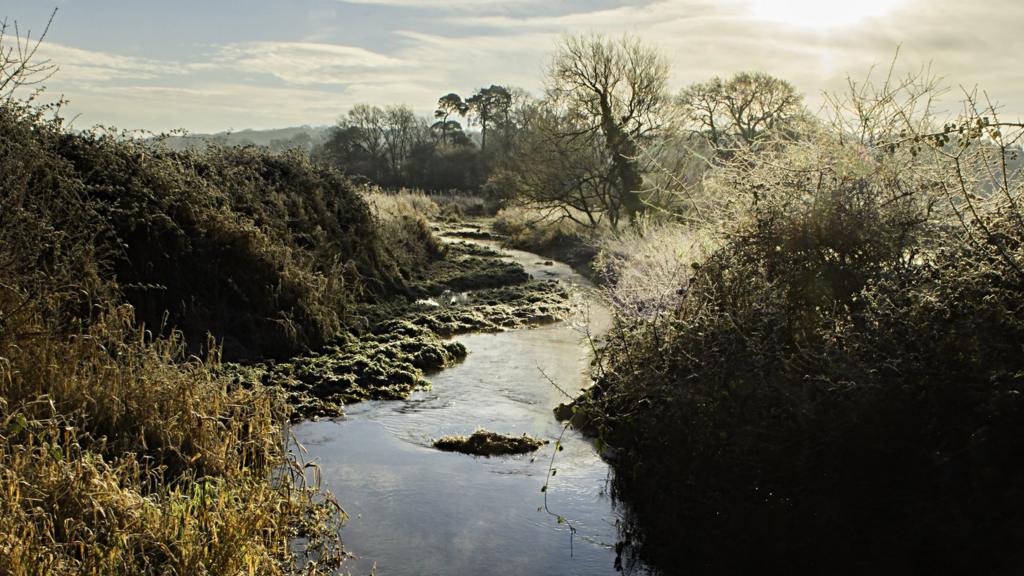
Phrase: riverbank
pixel 557 239
pixel 830 386
pixel 397 343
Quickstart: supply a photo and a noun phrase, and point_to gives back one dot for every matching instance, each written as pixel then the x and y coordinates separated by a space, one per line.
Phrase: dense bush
pixel 119 451
pixel 266 251
pixel 839 387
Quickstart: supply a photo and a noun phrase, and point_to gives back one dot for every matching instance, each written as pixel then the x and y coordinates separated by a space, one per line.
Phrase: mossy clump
pixel 507 299
pixel 536 304
pixel 496 309
pixel 469 232
pixel 486 443
pixel 386 364
pixel 473 249
pixel 468 268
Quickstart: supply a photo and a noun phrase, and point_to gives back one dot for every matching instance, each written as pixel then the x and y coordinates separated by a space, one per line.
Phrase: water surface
pixel 416 510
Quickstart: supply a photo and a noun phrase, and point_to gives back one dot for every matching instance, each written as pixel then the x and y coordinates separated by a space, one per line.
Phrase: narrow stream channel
pixel 415 510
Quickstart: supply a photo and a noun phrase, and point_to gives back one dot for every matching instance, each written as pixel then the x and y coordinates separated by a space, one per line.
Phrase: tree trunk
pixel 623 152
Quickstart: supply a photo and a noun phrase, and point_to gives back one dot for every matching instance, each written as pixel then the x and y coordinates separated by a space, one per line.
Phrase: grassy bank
pixel 550 236
pixel 119 454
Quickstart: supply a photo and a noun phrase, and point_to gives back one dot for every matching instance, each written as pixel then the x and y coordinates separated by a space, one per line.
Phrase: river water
pixel 415 510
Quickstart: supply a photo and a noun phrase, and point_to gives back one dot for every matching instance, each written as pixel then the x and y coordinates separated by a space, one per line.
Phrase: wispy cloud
pixel 87 65
pixel 208 108
pixel 616 18
pixel 967 43
pixel 305 62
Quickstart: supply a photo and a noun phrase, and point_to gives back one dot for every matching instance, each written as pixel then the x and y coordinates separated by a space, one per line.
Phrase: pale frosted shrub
pixel 647 269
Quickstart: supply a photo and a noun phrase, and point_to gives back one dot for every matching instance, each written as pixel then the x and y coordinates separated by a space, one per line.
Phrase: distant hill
pixel 304 137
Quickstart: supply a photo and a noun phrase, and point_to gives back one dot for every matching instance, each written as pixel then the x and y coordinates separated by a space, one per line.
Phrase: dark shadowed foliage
pixel 840 387
pixel 266 251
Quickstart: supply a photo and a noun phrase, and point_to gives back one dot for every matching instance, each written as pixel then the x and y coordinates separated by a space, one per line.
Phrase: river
pixel 415 510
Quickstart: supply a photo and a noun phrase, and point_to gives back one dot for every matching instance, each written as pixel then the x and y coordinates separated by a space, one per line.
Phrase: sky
pixel 213 65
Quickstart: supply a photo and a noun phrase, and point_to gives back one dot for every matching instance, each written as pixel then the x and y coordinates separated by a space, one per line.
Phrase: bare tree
pixel 556 166
pixel 402 131
pixel 740 111
pixel 615 88
pixel 376 142
pixel 369 120
pixel 973 161
pixel 18 64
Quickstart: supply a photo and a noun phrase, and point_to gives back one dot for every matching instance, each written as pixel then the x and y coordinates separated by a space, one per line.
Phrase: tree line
pixel 589 149
pixel 390 146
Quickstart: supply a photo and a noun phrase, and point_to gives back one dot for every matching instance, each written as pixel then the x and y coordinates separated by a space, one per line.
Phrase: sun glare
pixel 820 13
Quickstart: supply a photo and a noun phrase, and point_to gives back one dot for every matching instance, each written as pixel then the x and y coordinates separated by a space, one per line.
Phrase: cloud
pixel 966 43
pixel 210 107
pixel 618 18
pixel 305 62
pixel 76 64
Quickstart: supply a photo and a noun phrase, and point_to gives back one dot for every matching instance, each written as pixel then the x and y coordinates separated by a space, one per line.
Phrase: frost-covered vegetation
pixel 120 452
pixel 832 380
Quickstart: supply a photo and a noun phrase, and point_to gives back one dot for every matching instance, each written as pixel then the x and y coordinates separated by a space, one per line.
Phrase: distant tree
pixel 365 127
pixel 392 147
pixel 444 168
pixel 742 110
pixel 448 105
pixel 490 106
pixel 375 142
pixel 301 141
pixel 403 130
pixel 615 88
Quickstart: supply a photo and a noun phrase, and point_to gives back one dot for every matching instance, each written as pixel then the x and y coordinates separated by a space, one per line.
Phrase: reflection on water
pixel 416 510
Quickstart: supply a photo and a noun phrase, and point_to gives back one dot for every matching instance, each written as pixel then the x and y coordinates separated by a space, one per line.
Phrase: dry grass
pixel 403 220
pixel 117 455
pixel 390 205
pixel 455 206
pixel 448 207
pixel 548 234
